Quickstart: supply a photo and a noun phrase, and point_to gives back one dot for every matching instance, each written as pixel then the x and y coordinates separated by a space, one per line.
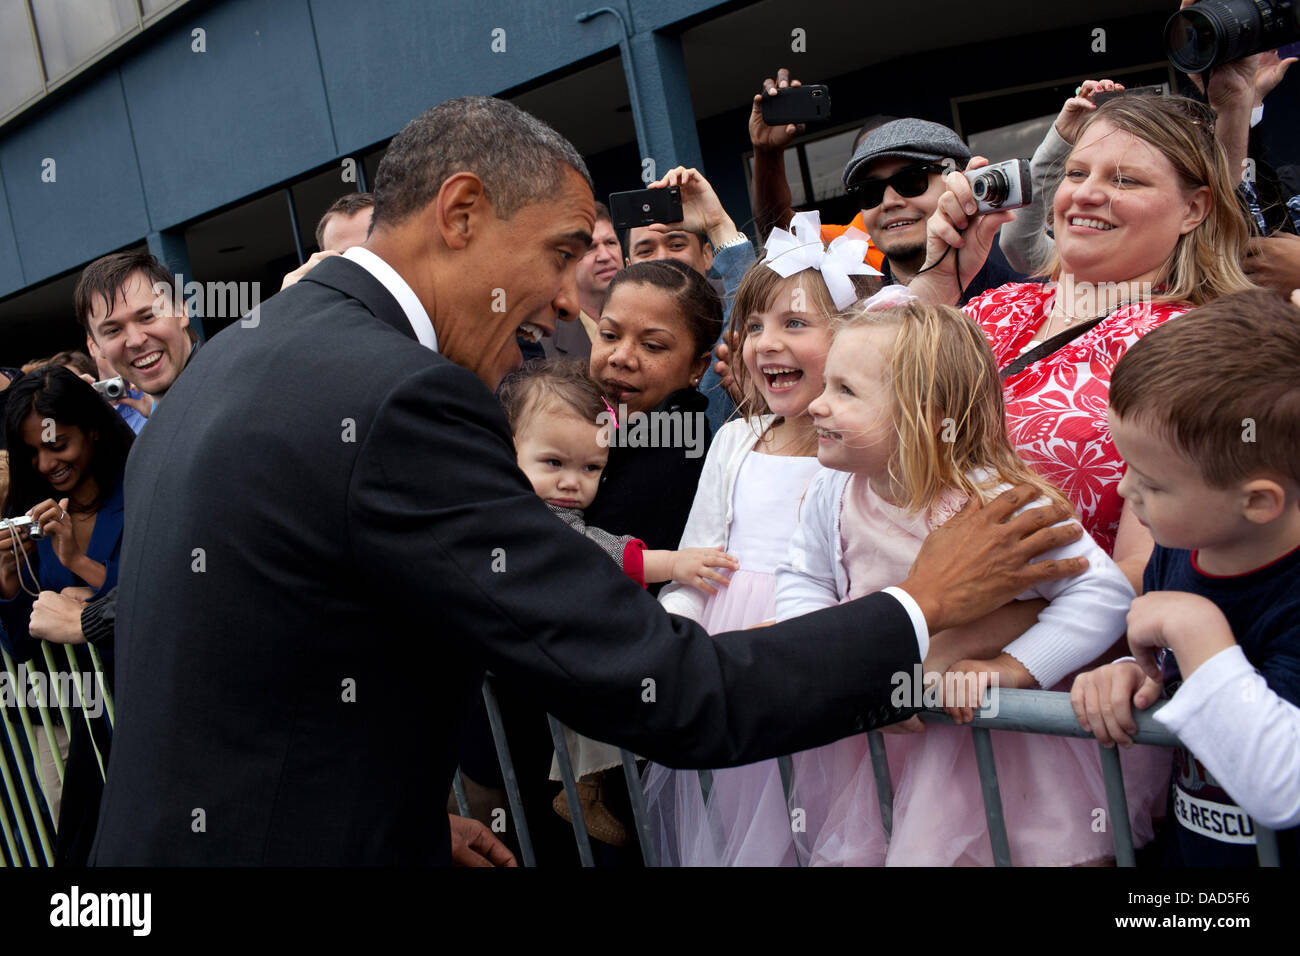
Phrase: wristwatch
pixel 737 240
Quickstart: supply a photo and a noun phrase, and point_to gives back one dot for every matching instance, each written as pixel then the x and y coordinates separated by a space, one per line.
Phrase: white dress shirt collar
pixel 396 285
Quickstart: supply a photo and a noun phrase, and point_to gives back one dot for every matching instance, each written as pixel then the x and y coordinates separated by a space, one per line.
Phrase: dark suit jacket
pixel 327 542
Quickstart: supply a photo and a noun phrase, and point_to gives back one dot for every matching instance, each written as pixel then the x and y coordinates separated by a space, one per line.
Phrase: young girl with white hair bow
pixel 747 501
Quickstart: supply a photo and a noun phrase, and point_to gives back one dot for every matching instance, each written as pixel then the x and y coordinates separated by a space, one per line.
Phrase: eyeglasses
pixel 909 182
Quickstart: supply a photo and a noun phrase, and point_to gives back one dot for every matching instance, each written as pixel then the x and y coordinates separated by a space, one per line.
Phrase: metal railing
pixel 47 703
pixel 42 707
pixel 1022 711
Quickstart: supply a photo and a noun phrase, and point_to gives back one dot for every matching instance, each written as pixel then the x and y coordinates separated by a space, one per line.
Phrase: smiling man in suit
pixel 328 541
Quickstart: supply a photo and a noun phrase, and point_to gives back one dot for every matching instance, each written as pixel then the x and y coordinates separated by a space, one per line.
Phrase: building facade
pixel 215 133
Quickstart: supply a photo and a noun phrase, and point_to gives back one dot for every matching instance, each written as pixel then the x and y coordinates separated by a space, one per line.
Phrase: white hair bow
pixel 801 248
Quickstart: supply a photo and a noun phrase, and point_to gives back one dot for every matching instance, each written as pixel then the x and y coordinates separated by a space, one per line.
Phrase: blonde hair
pixel 948 410
pixel 757 292
pixel 1206 262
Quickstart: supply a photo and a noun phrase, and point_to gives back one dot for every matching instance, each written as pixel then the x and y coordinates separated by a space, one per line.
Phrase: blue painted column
pixel 169 247
pixel 656 80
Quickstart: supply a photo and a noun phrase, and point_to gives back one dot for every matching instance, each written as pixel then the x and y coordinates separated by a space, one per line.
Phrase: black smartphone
pixel 1100 98
pixel 640 207
pixel 797 104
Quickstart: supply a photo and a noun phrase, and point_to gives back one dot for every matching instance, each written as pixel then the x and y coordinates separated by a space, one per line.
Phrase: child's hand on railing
pixel 964 684
pixel 1103 701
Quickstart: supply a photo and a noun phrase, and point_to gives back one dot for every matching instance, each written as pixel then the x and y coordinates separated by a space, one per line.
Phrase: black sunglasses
pixel 908 182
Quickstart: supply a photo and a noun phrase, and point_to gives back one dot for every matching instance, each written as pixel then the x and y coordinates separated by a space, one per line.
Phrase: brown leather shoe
pixel 600 823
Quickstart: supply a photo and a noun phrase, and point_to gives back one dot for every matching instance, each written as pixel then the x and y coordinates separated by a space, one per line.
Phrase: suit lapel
pixel 352 280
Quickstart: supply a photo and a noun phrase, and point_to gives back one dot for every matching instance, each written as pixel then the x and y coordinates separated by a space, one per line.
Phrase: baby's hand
pixel 965 683
pixel 1103 701
pixel 693 567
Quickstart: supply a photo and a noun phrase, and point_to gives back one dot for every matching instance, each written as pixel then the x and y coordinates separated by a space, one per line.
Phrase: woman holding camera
pixel 1147 226
pixel 67 458
pixel 68 453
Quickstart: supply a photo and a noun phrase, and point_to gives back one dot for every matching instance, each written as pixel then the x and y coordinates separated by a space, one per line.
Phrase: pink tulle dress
pixel 1053 795
pixel 746 822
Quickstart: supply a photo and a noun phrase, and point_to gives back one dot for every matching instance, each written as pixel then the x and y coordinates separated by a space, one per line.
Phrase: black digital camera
pixel 1220 31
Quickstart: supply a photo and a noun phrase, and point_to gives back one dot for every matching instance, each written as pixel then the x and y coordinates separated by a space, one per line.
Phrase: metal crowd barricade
pixel 28 824
pixel 1022 711
pixel 47 702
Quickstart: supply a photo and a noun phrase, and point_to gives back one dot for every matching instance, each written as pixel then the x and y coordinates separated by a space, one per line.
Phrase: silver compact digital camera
pixel 23 522
pixel 111 388
pixel 1001 186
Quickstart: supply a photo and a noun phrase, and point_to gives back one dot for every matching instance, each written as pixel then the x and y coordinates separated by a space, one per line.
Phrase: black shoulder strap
pixel 1048 346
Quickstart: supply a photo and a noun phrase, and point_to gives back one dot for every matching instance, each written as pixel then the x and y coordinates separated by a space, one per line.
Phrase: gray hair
pixel 518 157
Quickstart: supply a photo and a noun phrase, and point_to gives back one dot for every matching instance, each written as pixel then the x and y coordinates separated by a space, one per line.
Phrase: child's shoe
pixel 601 824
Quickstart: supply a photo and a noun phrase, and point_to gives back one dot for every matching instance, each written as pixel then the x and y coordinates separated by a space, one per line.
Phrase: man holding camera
pixel 895 173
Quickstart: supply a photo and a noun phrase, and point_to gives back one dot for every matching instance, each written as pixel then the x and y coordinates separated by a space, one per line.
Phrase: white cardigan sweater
pixel 709 523
pixel 1086 615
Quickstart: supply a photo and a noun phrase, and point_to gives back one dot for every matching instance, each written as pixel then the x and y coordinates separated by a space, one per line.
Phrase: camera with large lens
pixel 1002 186
pixel 1220 31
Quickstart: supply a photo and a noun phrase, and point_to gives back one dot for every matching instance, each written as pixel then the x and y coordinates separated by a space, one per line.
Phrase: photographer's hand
pixel 144 404
pixel 954 226
pixel 772 199
pixel 1080 106
pixel 9 562
pixel 57 525
pixel 1269 74
pixel 701 209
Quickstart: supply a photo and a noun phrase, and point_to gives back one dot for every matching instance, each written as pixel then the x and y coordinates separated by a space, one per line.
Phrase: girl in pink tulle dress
pixel 757 469
pixel 912 423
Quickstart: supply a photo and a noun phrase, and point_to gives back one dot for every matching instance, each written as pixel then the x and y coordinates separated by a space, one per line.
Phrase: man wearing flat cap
pixel 896 175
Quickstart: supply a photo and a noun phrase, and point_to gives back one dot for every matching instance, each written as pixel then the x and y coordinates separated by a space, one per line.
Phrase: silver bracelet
pixel 738 239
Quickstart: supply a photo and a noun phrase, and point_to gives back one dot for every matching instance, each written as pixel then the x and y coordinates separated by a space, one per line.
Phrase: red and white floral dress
pixel 1056 407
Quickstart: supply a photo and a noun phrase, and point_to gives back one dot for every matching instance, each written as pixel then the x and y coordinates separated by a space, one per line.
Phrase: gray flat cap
pixel 909 139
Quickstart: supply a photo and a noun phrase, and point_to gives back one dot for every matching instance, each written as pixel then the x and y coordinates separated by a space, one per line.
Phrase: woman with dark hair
pixel 67 457
pixel 68 451
pixel 653 344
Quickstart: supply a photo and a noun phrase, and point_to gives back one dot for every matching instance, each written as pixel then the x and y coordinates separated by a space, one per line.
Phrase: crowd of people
pixel 1125 348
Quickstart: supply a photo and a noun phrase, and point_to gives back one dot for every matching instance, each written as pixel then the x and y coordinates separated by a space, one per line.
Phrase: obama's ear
pixel 455 213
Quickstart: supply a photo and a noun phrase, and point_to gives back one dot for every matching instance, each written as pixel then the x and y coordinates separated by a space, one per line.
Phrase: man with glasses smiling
pixel 896 176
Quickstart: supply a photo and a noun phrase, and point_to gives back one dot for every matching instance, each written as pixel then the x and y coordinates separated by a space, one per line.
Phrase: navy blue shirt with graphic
pixel 1263 608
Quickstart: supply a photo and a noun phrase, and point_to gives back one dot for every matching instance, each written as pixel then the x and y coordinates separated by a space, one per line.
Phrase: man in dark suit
pixel 328 541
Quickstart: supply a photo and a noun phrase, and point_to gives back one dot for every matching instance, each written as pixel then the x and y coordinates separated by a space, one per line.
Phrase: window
pixel 20 73
pixel 72 31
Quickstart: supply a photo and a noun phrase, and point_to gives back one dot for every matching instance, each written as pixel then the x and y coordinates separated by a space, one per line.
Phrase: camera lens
pixel 645 207
pixel 991 188
pixel 1220 31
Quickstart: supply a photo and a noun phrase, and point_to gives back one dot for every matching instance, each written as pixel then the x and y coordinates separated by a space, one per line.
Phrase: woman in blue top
pixel 67 455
